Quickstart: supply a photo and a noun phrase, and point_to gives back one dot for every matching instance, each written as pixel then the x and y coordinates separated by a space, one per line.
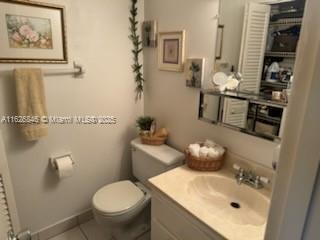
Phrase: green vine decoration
pixel 137 48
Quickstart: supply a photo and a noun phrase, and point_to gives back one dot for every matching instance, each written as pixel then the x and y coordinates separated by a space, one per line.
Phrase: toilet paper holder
pixel 53 160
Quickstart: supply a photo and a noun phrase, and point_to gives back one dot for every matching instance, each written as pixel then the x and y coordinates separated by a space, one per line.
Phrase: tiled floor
pixel 86 231
pixel 89 231
pixel 74 234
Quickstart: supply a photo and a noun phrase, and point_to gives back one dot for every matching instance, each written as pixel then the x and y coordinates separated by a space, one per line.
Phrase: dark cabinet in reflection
pixel 264 119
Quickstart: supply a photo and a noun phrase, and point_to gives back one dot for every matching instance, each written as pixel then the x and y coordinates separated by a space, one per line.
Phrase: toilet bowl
pixel 130 204
pixel 124 207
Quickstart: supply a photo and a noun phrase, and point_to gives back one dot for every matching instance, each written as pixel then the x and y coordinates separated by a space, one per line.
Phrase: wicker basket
pixel 204 163
pixel 156 141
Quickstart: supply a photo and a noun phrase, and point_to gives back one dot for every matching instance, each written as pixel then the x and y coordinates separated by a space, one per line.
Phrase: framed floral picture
pixel 32 32
pixel 171 51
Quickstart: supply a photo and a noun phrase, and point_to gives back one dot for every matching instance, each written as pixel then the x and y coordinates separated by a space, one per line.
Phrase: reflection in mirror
pixel 245 35
pixel 254 66
pixel 219 46
pixel 265 120
pixel 243 112
pixel 231 14
pixel 210 107
pixel 235 112
pixel 259 41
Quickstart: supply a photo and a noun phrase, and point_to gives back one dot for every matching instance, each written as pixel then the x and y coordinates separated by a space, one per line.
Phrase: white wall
pixel 232 16
pixel 98 38
pixel 312 230
pixel 176 106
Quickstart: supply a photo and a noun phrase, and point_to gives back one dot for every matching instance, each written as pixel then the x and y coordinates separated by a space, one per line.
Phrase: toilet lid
pixel 117 197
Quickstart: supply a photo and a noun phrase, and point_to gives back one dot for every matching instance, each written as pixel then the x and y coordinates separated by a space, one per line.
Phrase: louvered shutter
pixel 254 39
pixel 8 211
pixel 235 112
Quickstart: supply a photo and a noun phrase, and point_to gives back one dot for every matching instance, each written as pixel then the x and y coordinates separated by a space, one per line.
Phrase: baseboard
pixel 63 225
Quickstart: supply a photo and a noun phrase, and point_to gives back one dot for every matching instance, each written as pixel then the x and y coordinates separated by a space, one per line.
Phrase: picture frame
pixel 149 34
pixel 32 32
pixel 171 51
pixel 219 44
pixel 194 72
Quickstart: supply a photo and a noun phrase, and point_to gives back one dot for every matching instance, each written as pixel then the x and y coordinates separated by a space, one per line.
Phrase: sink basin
pixel 223 197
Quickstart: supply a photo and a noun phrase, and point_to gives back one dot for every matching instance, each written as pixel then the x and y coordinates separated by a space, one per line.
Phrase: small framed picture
pixel 149 34
pixel 171 51
pixel 32 32
pixel 219 45
pixel 195 72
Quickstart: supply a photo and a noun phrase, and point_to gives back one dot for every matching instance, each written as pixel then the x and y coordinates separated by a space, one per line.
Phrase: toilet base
pixel 133 229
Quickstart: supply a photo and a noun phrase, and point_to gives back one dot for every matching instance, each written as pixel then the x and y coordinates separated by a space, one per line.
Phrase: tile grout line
pixel 83 233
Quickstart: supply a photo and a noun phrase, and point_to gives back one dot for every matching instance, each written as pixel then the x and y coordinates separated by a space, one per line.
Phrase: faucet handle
pixel 264 180
pixel 11 235
pixel 237 167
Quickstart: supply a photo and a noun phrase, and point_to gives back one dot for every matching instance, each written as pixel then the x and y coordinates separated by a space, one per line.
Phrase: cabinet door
pixel 235 112
pixel 253 45
pixel 158 232
pixel 178 222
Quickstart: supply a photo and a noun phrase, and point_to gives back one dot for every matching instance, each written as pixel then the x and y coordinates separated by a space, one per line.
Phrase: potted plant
pixel 194 68
pixel 145 123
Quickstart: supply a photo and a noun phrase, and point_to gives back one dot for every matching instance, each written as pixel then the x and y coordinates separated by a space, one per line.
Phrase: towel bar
pixel 77 71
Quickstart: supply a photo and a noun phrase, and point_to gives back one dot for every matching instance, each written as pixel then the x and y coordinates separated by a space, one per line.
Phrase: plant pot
pixel 145 133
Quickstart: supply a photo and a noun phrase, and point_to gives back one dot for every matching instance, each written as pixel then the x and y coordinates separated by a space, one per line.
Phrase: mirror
pixel 210 107
pixel 244 112
pixel 254 67
pixel 229 35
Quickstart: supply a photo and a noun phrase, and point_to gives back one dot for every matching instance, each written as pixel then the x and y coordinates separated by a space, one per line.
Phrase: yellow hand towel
pixel 31 101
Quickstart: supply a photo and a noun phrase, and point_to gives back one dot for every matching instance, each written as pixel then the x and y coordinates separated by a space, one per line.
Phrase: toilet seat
pixel 117 198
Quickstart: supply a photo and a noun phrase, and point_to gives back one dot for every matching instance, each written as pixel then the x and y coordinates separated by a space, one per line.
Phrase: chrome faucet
pixel 11 235
pixel 249 178
pixel 25 235
pixel 240 176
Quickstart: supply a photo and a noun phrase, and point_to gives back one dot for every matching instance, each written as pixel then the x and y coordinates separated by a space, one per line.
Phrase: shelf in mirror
pixel 261 116
pixel 251 97
pixel 280 54
pixel 274 84
pixel 286 21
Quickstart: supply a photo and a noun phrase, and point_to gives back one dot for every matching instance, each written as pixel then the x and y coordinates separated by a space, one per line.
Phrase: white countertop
pixel 174 185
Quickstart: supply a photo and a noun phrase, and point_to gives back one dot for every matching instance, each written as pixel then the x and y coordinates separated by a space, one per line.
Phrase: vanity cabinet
pixel 160 232
pixel 172 222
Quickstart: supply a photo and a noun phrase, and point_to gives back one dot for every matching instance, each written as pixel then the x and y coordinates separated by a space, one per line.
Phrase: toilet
pixel 124 206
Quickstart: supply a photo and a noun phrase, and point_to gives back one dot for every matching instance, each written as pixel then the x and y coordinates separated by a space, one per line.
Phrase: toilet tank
pixel 149 161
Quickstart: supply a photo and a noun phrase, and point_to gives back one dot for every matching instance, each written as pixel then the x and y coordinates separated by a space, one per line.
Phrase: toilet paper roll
pixel 64 167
